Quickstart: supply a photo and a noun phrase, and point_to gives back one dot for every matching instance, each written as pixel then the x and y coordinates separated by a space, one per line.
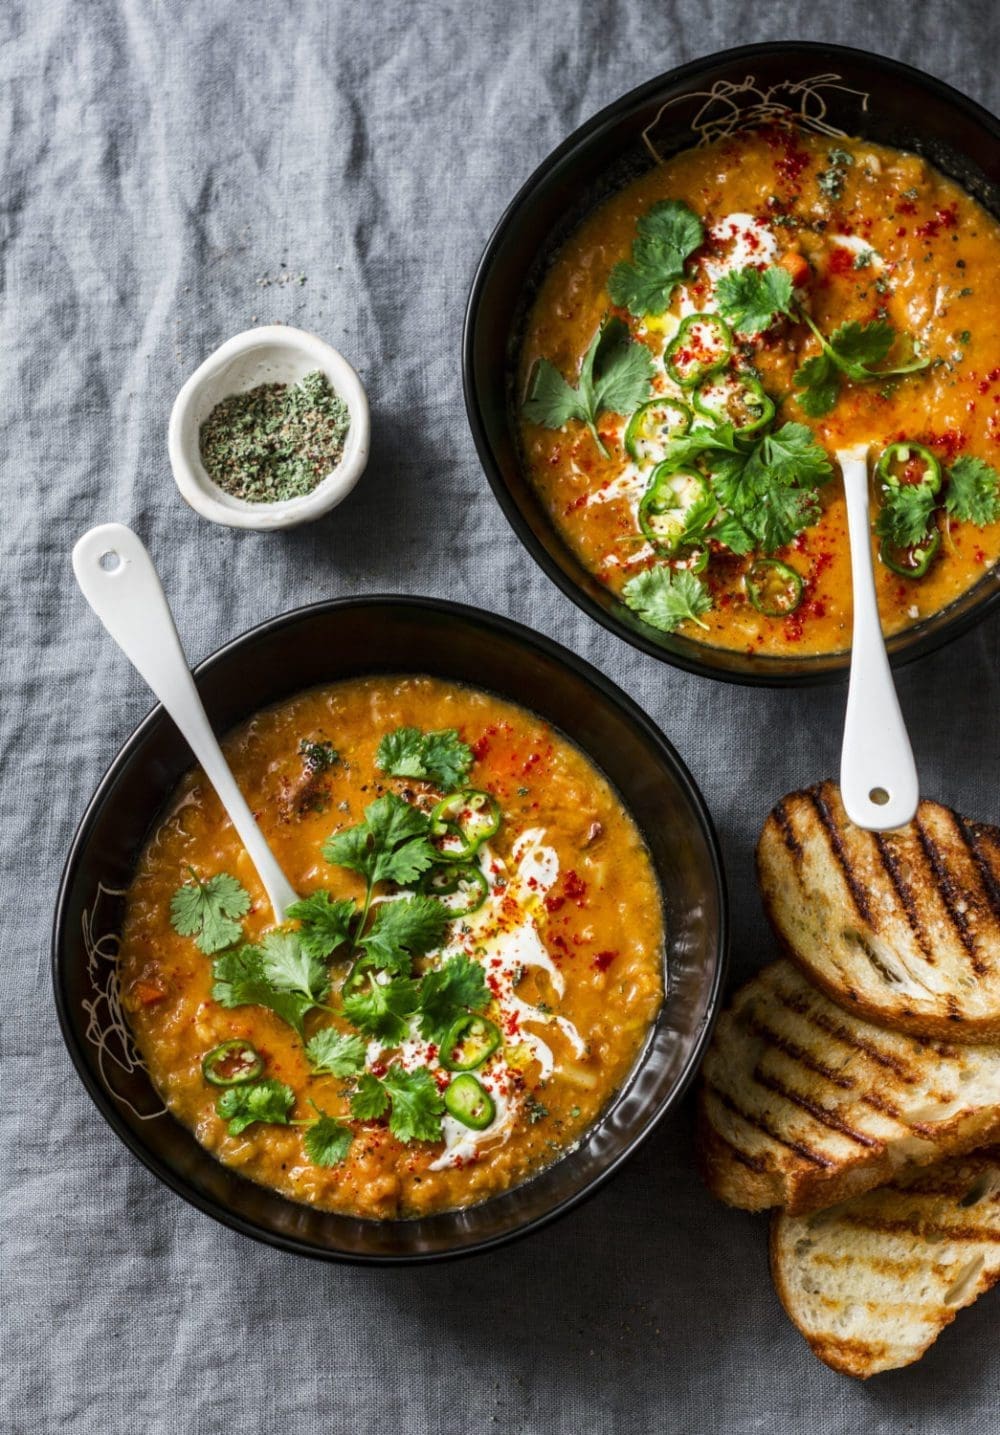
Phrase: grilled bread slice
pixel 902 927
pixel 873 1282
pixel 803 1105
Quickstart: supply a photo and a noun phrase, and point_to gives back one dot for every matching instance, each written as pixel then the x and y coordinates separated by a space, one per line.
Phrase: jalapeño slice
pixel 912 562
pixel 463 820
pixel 470 1042
pixel 651 428
pixel 666 505
pixel 232 1063
pixel 909 463
pixel 701 346
pixel 461 887
pixel 469 1102
pixel 738 399
pixel 773 588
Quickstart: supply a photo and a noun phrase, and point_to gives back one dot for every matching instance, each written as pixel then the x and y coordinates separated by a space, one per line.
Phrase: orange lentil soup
pixel 480 1044
pixel 867 236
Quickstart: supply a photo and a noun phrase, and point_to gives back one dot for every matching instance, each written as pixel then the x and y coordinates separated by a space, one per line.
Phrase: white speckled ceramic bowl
pixel 274 354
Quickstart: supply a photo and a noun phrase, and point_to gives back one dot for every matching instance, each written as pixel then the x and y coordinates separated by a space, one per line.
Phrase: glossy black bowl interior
pixel 323 644
pixel 822 85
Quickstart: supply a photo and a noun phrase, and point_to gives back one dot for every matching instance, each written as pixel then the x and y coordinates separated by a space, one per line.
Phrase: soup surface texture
pixel 795 241
pixel 466 985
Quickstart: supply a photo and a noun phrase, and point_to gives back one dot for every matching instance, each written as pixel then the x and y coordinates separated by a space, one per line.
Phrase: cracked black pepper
pixel 276 441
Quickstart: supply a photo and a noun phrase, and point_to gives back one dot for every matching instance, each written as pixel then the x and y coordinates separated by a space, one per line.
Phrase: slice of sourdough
pixel 902 927
pixel 803 1105
pixel 873 1282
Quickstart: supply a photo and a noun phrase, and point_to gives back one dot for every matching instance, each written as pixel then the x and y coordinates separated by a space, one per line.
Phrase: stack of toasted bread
pixel 854 1085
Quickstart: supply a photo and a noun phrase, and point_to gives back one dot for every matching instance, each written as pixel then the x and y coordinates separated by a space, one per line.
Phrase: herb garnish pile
pixel 727 478
pixel 276 441
pixel 379 997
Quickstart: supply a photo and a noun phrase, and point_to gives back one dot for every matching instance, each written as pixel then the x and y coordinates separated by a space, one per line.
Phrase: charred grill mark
pixel 828 1024
pixel 753 1163
pixel 818 1112
pixel 901 887
pixel 760 1124
pixel 991 890
pixel 916 1226
pixel 799 1053
pixel 783 820
pixel 878 1103
pixel 857 890
pixel 950 896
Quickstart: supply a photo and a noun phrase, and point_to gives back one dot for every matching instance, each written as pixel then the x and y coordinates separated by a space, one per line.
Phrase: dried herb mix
pixel 276 441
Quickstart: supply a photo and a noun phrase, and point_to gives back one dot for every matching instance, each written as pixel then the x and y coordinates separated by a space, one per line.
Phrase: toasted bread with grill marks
pixel 803 1105
pixel 873 1282
pixel 902 927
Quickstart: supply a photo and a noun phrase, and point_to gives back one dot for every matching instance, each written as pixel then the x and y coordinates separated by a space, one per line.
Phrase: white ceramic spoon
pixel 878 777
pixel 118 580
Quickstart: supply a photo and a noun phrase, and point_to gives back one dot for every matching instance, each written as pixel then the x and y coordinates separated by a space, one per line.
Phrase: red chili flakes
pixel 901 231
pixel 480 747
pixel 906 206
pixel 943 219
pixel 603 960
pixel 990 379
pixel 841 260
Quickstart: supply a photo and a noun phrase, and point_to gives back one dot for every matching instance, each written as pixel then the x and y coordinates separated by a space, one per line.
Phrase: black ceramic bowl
pixel 853 92
pixel 322 644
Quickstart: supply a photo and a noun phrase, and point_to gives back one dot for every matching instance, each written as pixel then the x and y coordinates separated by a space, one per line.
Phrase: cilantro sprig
pixel 392 844
pixel 666 237
pixel 905 512
pixel 209 910
pixel 615 377
pixel 335 1053
pixel 973 493
pixel 440 757
pixel 412 1098
pixel 279 974
pixel 324 924
pixel 666 597
pixel 266 1101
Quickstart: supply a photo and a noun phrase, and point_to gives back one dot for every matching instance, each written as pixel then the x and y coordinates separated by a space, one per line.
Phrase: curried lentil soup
pixel 465 986
pixel 741 542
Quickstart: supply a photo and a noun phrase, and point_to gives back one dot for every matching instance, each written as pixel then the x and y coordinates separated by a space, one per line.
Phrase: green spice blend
pixel 276 441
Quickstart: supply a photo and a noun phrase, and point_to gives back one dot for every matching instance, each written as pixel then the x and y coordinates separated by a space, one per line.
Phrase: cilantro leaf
pixel 440 757
pixel 730 532
pixel 370 1100
pixel 381 1009
pixel 278 975
pixel 267 1101
pixel 417 1105
pixel 327 1141
pixel 614 377
pixel 208 911
pixel 973 493
pixel 751 301
pixel 684 449
pixel 449 990
pixel 335 1053
pixel 403 929
pixel 665 598
pixel 666 236
pixel 772 494
pixel 850 350
pixel 792 456
pixel 819 379
pixel 325 924
pixel 905 513
pixel 391 845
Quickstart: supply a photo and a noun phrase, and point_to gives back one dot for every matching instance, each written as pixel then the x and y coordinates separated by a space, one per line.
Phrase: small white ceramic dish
pixel 273 354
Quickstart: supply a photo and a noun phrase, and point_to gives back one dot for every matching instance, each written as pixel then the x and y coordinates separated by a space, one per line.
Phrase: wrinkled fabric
pixel 173 173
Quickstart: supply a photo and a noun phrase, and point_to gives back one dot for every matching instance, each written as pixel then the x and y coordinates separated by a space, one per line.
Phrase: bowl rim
pixel 526 637
pixel 211 502
pixel 836 668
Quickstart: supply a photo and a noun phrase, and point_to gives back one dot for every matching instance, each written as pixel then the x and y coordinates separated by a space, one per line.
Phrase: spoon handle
pixel 878 777
pixel 118 580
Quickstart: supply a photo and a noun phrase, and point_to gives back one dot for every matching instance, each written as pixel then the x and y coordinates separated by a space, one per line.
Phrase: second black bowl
pixel 324 644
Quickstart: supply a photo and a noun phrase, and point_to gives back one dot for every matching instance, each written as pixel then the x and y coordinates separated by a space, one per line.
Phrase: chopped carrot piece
pixel 797 266
pixel 147 992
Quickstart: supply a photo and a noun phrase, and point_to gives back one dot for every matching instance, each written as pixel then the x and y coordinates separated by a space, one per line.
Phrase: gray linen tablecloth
pixel 167 167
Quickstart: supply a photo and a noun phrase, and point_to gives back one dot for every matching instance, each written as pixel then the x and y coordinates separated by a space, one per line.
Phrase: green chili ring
pixel 911 562
pixel 773 588
pixel 664 507
pixel 693 353
pixel 450 880
pixel 906 453
pixel 469 1043
pixel 466 818
pixel 641 435
pixel 470 1103
pixel 738 399
pixel 232 1063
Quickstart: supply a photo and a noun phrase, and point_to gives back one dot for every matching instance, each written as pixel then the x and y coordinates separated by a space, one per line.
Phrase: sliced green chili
pixel 470 1042
pixel 738 399
pixel 652 427
pixel 909 463
pixel 461 887
pixel 911 562
pixel 773 588
pixel 701 346
pixel 232 1063
pixel 464 820
pixel 469 1102
pixel 666 504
